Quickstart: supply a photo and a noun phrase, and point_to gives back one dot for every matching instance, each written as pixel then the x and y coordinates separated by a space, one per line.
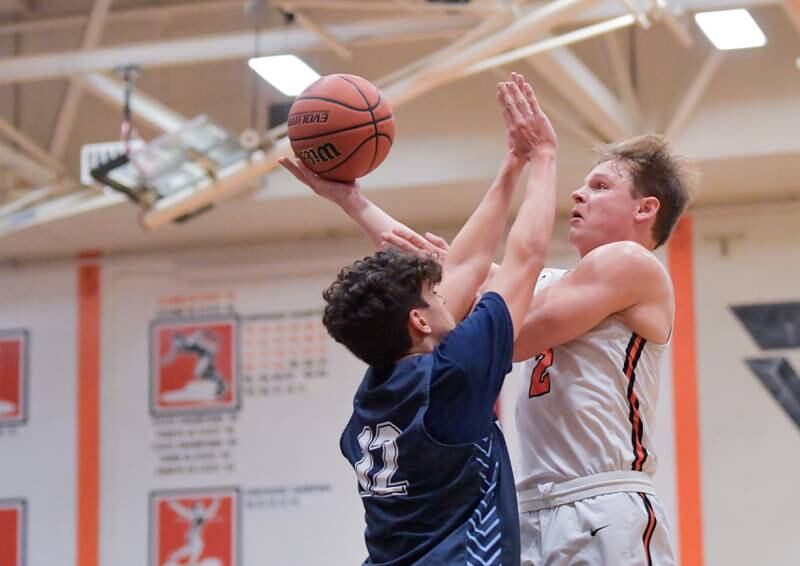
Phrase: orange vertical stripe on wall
pixel 684 382
pixel 88 458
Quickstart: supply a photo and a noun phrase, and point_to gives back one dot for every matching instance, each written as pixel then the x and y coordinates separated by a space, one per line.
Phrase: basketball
pixel 341 127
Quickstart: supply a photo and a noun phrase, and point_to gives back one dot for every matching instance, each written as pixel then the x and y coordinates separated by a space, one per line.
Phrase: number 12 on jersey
pixel 380 484
pixel 540 376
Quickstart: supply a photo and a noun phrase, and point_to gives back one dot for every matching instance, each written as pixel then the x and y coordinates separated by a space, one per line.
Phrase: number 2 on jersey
pixel 540 376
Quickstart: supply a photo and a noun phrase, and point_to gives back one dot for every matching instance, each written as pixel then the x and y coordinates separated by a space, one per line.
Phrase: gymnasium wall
pixel 750 445
pixel 38 369
pixel 263 455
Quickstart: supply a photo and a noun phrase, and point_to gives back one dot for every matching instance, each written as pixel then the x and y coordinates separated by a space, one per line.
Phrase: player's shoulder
pixel 625 255
pixel 626 266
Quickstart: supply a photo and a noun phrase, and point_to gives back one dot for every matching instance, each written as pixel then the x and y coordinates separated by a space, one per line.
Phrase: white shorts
pixel 617 529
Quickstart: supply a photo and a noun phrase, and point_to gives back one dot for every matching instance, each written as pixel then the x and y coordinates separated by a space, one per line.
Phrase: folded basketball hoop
pixel 183 161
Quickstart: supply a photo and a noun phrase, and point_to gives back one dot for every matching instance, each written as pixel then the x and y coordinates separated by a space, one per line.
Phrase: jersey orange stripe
pixel 634 352
pixel 647 537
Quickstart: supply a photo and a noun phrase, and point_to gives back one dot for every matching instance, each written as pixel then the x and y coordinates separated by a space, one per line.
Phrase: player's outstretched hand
pixel 331 190
pixel 406 240
pixel 529 130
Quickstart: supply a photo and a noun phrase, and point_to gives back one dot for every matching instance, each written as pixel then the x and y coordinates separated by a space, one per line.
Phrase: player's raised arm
pixel 529 237
pixel 471 252
pixel 370 218
pixel 601 285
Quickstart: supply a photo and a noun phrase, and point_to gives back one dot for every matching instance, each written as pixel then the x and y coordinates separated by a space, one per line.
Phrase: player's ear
pixel 418 322
pixel 648 208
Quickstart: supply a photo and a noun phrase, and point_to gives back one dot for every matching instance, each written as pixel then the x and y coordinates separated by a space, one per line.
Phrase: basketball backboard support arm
pixel 144 107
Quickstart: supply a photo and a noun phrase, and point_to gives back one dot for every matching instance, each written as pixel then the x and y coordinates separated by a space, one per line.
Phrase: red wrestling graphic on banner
pixel 12 532
pixel 194 366
pixel 194 528
pixel 13 376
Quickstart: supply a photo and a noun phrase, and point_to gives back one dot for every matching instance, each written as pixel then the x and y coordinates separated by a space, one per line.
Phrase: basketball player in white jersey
pixel 593 341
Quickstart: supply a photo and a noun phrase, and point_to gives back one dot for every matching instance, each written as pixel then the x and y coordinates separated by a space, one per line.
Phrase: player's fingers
pixel 530 96
pixel 519 100
pixel 306 171
pixel 509 103
pixel 292 168
pixel 394 241
pixel 412 238
pixel 503 99
pixel 437 241
pixel 519 79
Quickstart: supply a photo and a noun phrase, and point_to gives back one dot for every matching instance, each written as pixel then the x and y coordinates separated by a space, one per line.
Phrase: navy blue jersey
pixel 432 465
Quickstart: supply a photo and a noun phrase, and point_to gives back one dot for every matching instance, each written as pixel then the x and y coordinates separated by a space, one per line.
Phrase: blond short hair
pixel 658 172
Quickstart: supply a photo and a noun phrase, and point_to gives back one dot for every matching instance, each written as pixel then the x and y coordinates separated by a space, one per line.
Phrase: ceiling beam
pixel 694 93
pixel 676 20
pixel 221 47
pixel 548 44
pixel 124 15
pixel 24 201
pixel 333 42
pixel 587 94
pixel 621 70
pixel 208 7
pixel 25 167
pixel 29 145
pixel 487 26
pixel 396 6
pixel 573 79
pixel 792 8
pixel 521 31
pixel 72 98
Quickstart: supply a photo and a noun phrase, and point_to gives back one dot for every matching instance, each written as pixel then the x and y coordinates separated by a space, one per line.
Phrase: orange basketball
pixel 341 127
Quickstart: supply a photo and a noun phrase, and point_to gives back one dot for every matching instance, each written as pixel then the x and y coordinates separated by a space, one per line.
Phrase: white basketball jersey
pixel 588 406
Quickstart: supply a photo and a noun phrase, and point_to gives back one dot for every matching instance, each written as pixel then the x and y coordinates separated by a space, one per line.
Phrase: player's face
pixel 438 317
pixel 604 208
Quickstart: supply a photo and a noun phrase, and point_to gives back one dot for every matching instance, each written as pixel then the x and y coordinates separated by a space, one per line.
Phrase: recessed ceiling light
pixel 731 29
pixel 288 73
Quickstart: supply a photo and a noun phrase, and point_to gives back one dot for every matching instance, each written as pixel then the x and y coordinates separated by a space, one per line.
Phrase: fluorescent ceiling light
pixel 731 29
pixel 287 73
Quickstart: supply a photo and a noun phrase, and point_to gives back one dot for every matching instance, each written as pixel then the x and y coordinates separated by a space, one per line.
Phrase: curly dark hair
pixel 368 304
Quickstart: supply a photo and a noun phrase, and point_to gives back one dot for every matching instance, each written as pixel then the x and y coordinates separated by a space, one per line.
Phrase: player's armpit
pixel 609 280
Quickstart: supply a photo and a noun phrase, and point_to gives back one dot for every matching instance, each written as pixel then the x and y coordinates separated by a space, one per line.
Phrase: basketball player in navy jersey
pixel 432 466
pixel 592 344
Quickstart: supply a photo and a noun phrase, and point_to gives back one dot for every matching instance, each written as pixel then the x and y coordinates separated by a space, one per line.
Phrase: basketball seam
pixel 378 135
pixel 340 131
pixel 332 101
pixel 374 123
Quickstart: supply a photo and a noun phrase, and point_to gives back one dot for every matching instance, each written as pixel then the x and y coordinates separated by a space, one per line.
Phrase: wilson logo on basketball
pixel 325 152
pixel 302 118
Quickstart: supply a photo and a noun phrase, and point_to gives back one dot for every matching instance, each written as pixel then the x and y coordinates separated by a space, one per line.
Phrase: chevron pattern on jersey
pixel 483 544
